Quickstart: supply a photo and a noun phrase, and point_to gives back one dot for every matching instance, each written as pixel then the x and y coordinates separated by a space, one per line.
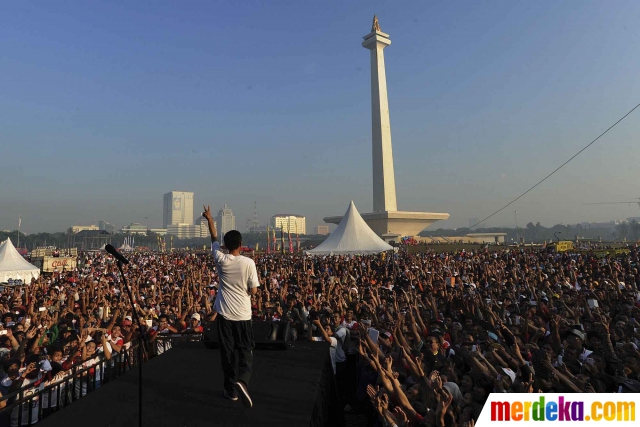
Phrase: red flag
pixel 290 243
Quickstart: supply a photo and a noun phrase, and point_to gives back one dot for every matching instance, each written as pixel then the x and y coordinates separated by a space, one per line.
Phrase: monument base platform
pixel 396 222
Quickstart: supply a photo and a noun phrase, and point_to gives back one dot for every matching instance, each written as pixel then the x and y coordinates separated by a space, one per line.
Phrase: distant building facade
pixel 290 223
pixel 609 225
pixel 202 226
pixel 226 220
pixel 74 229
pixel 183 231
pixel 105 226
pixel 158 231
pixel 134 228
pixel 177 208
pixel 321 230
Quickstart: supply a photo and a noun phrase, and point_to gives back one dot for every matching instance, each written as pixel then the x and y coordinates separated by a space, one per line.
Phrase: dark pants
pixel 341 382
pixel 352 378
pixel 232 336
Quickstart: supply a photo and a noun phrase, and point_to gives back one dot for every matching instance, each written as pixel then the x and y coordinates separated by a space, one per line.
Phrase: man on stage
pixel 238 281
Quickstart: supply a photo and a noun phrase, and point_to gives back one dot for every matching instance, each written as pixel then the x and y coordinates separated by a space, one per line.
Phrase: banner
pixel 533 409
pixel 61 263
pixel 564 246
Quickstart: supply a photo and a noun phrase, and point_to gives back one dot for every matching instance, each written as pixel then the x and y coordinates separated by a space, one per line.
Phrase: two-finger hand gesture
pixel 207 212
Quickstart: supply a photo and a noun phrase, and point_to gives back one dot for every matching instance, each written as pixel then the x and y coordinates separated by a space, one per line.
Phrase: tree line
pixel 536 233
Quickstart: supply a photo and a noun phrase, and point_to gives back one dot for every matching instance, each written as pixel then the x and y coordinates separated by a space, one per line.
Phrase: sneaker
pixel 231 396
pixel 241 388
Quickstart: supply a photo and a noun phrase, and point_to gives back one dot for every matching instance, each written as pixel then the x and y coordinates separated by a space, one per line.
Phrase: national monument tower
pixel 385 219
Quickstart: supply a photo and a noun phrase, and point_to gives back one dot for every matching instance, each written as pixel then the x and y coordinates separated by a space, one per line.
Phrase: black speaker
pixel 210 336
pixel 267 335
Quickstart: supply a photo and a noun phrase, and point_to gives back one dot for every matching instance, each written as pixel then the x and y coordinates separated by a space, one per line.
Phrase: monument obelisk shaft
pixel 384 183
pixel 385 220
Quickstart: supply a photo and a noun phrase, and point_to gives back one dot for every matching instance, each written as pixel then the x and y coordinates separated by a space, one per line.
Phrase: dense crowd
pixel 416 339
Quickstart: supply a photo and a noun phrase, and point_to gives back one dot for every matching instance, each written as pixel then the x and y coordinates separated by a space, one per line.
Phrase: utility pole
pixel 517 230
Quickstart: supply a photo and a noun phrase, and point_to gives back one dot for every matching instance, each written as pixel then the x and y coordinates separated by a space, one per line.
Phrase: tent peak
pixel 352 236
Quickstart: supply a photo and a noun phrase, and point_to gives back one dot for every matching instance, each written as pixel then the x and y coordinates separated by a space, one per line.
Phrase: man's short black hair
pixel 232 240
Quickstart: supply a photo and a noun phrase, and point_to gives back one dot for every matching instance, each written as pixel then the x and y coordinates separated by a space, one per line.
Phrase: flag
pixel 282 237
pixel 268 241
pixel 297 237
pixel 290 242
pixel 19 220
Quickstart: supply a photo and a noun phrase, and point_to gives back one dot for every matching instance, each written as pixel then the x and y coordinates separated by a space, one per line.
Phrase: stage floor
pixel 183 387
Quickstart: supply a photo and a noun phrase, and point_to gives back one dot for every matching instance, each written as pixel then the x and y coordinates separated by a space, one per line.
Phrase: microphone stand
pixel 141 342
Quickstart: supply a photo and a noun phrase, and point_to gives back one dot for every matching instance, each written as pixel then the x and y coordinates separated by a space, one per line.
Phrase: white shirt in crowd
pixel 237 275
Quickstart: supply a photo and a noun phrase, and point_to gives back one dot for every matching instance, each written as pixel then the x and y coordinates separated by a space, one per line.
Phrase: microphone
pixel 117 255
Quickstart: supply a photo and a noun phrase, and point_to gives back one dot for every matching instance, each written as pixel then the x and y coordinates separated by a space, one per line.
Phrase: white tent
pixel 353 236
pixel 13 266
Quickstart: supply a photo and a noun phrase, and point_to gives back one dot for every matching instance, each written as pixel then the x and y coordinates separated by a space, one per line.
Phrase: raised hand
pixel 400 415
pixel 447 399
pixel 388 362
pixel 383 402
pixel 30 368
pixel 207 212
pixel 372 392
pixel 31 332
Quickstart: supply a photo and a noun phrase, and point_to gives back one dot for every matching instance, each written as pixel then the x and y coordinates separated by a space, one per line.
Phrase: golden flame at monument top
pixel 375 26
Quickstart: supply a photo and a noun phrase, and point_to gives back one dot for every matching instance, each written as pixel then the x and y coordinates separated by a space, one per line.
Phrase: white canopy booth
pixel 14 266
pixel 353 236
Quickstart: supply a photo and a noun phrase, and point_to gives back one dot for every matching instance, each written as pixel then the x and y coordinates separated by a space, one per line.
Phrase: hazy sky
pixel 105 107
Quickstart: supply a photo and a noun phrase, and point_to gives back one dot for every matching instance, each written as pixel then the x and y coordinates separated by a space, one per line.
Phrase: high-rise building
pixel 290 223
pixel 226 220
pixel 202 226
pixel 321 230
pixel 178 208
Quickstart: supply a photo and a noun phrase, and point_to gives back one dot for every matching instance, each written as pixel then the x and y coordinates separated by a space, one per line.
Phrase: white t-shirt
pixel 237 275
pixel 341 335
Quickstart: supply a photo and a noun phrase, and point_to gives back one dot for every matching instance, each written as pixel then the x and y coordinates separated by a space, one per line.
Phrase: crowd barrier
pixel 28 405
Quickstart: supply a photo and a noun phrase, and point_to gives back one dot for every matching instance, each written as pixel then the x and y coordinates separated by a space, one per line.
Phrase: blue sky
pixel 106 106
